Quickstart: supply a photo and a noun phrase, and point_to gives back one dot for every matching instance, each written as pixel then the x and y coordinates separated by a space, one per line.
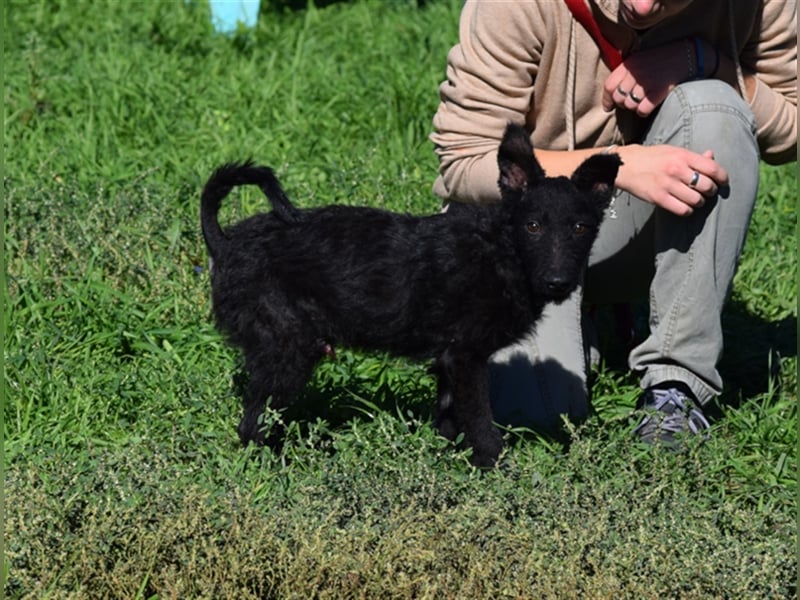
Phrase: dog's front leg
pixel 464 407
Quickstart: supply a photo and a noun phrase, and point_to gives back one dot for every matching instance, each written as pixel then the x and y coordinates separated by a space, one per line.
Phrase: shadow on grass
pixel 754 349
pixel 357 386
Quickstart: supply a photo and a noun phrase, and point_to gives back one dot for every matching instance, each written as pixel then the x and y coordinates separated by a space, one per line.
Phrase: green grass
pixel 123 473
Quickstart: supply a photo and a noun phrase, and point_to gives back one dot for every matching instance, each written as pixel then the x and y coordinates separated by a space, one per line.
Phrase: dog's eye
pixel 580 228
pixel 533 227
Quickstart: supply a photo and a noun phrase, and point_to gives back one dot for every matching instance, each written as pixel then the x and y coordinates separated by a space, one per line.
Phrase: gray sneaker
pixel 671 414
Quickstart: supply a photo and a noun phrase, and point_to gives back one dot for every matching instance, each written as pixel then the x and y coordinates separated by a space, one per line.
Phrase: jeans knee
pixel 709 95
pixel 709 114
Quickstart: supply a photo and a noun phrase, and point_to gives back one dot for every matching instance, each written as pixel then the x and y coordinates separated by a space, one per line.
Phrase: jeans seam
pixel 672 315
pixel 672 318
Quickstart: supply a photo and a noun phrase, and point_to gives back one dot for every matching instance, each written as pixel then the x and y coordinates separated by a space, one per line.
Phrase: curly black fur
pixel 290 285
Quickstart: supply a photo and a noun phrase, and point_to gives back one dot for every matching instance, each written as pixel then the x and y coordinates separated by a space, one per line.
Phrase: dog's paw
pixel 248 436
pixel 446 427
pixel 253 431
pixel 486 450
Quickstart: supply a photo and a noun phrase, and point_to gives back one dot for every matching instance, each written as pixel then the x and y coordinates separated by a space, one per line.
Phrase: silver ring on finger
pixel 634 97
pixel 621 92
pixel 694 180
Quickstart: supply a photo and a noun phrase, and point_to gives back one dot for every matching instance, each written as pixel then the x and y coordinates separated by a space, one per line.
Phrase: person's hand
pixel 644 78
pixel 676 179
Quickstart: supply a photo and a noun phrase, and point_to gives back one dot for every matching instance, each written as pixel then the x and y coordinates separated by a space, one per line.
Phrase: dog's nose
pixel 557 286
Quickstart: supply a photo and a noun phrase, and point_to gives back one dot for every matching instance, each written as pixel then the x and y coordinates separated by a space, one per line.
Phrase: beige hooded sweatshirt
pixel 530 62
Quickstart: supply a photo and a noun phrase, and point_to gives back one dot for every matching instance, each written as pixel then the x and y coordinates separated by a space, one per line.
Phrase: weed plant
pixel 123 473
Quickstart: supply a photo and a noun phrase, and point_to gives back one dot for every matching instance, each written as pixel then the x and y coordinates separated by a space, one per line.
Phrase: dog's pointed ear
pixel 596 175
pixel 519 168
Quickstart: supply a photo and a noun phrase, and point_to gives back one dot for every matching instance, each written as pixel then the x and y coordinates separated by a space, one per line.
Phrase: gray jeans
pixel 686 264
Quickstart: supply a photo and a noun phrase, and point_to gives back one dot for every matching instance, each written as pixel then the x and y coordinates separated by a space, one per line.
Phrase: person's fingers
pixel 703 184
pixel 614 90
pixel 707 166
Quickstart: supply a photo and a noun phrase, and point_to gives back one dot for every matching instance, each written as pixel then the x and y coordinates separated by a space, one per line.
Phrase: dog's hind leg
pixel 251 427
pixel 276 380
pixel 443 417
pixel 464 407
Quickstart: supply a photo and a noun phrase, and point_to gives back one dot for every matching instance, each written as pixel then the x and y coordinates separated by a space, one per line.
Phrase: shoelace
pixel 672 403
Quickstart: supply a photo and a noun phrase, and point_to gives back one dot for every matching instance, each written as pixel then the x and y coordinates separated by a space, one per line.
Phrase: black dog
pixel 291 285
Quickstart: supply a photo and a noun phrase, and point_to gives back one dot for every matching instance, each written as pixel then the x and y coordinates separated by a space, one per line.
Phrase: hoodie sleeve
pixel 771 55
pixel 490 75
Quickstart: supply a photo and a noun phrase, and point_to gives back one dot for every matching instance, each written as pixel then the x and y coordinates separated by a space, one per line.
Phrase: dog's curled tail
pixel 220 184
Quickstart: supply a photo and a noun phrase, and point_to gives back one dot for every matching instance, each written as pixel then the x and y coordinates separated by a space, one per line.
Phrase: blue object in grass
pixel 227 14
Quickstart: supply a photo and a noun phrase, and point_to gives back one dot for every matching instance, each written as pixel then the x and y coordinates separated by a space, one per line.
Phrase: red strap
pixel 583 15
